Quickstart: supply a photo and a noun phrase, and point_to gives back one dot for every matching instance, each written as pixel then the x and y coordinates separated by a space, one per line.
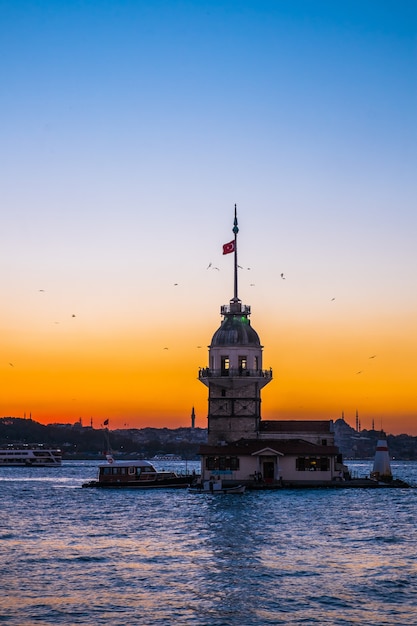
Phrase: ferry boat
pixel 136 474
pixel 29 455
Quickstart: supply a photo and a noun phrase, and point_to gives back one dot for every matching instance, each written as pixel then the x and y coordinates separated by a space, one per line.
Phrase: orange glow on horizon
pixel 135 380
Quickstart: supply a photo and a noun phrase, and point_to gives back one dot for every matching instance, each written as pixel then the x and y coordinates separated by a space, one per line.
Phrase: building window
pixel 210 463
pixel 222 463
pixel 256 363
pixel 312 464
pixel 234 463
pixel 225 365
pixel 243 364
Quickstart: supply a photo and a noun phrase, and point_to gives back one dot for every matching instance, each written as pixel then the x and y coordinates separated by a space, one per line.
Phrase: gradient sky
pixel 131 128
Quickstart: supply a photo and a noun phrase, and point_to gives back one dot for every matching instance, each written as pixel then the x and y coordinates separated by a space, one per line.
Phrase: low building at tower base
pixel 285 453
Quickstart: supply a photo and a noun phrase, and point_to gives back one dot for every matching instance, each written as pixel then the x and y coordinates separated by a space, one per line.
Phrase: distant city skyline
pixel 131 130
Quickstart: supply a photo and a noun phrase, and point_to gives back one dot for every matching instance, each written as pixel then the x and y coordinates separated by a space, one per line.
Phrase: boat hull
pixel 178 483
pixel 222 491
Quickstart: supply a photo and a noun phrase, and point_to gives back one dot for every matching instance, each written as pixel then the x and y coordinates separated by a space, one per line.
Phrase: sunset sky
pixel 130 129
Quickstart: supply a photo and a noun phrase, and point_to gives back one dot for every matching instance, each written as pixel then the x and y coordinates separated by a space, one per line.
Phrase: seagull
pixel 333 299
pixel 41 289
pixel 216 268
pixel 282 276
pixel 165 348
pixel 252 285
pixel 175 284
pixel 359 372
pixel 373 356
pixel 11 364
pixel 73 315
pixel 208 266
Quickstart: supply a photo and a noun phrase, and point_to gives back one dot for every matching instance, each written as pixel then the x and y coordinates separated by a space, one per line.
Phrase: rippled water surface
pixel 86 556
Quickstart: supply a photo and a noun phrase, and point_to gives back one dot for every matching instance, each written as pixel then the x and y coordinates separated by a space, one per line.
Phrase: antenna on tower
pixel 235 231
pixel 229 247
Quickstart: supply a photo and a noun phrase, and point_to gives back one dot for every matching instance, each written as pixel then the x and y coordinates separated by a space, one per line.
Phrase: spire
pixel 235 231
pixel 235 307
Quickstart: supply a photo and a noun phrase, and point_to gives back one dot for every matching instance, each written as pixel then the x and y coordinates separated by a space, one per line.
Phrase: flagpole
pixel 235 230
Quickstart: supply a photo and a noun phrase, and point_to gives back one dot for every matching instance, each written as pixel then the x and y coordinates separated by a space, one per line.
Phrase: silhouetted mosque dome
pixel 235 330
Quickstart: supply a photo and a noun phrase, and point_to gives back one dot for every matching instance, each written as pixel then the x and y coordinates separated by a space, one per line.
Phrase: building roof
pixel 297 426
pixel 235 330
pixel 245 447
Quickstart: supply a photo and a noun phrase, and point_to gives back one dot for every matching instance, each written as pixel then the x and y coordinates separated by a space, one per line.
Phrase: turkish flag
pixel 229 247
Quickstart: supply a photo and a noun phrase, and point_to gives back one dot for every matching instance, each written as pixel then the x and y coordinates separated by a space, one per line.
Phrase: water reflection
pixel 77 556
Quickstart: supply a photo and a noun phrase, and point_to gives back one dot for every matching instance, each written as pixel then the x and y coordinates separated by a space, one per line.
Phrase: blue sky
pixel 130 130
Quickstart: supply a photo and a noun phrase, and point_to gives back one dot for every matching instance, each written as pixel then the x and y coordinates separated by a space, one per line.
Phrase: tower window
pixel 225 365
pixel 243 363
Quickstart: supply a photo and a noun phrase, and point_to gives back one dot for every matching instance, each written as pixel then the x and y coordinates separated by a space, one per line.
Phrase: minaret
pixel 234 376
pixel 193 418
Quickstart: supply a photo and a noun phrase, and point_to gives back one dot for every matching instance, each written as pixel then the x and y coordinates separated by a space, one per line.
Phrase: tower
pixel 234 376
pixel 382 466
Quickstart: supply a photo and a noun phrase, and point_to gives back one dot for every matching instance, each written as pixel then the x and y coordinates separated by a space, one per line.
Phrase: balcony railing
pixel 241 372
pixel 235 308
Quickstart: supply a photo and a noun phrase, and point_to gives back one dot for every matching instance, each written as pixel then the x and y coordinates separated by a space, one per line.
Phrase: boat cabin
pixel 126 471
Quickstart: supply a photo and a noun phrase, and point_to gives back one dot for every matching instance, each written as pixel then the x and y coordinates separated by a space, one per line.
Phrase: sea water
pixel 120 557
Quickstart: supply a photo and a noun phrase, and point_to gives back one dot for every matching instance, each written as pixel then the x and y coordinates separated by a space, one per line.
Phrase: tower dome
pixel 235 330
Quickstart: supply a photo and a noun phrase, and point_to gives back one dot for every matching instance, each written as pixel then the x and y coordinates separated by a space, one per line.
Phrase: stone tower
pixel 234 376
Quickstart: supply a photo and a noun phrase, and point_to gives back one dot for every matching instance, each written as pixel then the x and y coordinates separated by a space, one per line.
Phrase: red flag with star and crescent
pixel 229 247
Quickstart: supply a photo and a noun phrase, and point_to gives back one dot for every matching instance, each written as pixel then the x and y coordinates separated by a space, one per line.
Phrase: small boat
pixel 29 455
pixel 216 487
pixel 137 475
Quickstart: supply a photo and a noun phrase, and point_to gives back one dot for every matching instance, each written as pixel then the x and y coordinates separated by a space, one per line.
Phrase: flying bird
pixel 11 364
pixel 333 299
pixel 282 276
pixel 73 315
pixel 373 356
pixel 360 372
pixel 208 266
